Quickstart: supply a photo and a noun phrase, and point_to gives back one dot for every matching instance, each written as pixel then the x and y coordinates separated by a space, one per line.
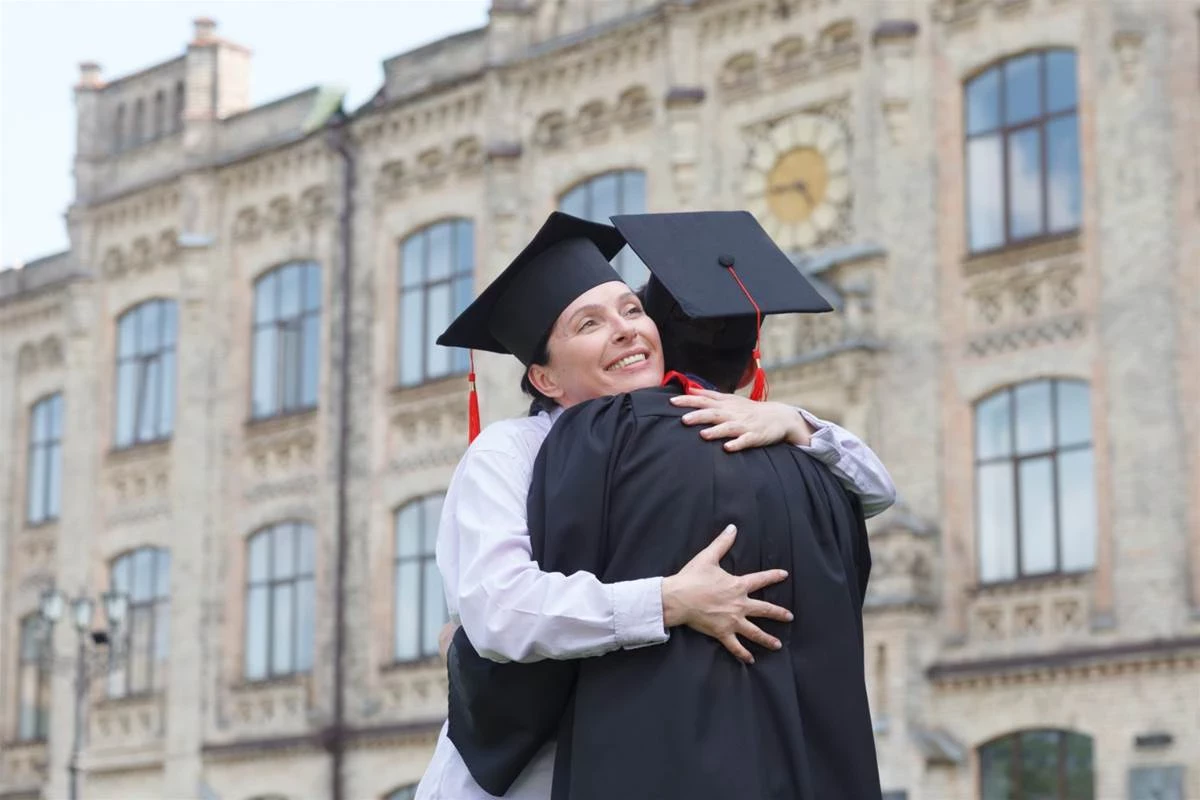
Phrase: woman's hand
pixel 708 599
pixel 747 423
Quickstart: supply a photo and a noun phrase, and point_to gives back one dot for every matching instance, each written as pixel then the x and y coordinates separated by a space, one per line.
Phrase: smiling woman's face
pixel 601 344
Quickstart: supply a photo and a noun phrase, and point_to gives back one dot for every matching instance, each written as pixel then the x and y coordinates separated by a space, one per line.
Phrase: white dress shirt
pixel 512 611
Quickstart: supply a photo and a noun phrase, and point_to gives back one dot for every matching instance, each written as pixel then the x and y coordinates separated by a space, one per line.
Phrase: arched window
pixel 287 318
pixel 1034 480
pixel 160 113
pixel 146 336
pixel 600 197
pixel 1037 765
pixel 437 266
pixel 177 113
pixel 139 122
pixel 119 129
pixel 279 601
pixel 419 607
pixel 33 680
pixel 403 793
pixel 144 576
pixel 44 481
pixel 1022 150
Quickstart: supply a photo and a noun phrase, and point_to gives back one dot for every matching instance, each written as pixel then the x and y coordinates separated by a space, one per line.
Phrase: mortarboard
pixel 566 257
pixel 719 265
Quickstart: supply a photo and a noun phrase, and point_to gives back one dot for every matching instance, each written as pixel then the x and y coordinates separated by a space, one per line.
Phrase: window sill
pixel 430 387
pixel 139 450
pixel 140 698
pixel 294 679
pixel 1033 583
pixel 1038 249
pixel 284 420
pixel 10 745
pixel 42 525
pixel 417 663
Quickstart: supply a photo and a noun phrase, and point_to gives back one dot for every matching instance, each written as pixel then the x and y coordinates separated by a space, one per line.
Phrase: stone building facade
pixel 224 400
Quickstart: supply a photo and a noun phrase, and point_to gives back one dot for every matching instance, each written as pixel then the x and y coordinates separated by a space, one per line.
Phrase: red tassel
pixel 472 404
pixel 760 390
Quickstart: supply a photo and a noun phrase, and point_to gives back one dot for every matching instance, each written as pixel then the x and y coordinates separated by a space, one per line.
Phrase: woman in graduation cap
pixel 563 311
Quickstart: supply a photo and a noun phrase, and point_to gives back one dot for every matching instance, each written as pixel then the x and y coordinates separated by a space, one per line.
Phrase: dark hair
pixel 717 350
pixel 541 357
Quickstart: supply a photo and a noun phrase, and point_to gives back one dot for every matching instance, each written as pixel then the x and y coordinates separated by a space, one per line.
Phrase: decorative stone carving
pixel 1017 304
pixel 127 723
pixel 314 204
pixel 113 263
pixel 23 765
pixel 1127 47
pixel 414 692
pixel 902 553
pixel 550 133
pixel 467 155
pixel 739 76
pixel 392 179
pixel 1054 608
pixel 43 355
pixel 634 107
pixel 838 45
pixel 167 247
pixel 280 214
pixel 789 58
pixel 141 256
pixel 275 707
pixel 431 165
pixel 247 225
pixel 592 121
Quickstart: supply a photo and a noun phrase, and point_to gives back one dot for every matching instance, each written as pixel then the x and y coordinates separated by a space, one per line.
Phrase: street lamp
pixel 89 660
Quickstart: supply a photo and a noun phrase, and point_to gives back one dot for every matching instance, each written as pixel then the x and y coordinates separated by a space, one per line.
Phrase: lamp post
pixel 96 653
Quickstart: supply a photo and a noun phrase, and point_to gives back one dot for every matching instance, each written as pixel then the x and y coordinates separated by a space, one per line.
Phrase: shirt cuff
pixel 638 613
pixel 823 444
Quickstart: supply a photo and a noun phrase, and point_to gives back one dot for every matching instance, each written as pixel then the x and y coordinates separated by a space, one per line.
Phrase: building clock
pixel 797 179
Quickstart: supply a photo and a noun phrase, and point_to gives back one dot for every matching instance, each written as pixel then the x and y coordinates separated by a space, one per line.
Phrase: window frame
pixel 42 681
pixel 299 529
pixel 142 360
pixel 54 404
pixel 157 601
pixel 625 259
pixel 1016 458
pixel 1015 775
pixel 1004 130
pixel 423 559
pixel 458 364
pixel 298 320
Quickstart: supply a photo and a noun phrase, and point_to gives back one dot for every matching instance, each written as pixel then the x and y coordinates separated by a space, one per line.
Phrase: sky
pixel 296 44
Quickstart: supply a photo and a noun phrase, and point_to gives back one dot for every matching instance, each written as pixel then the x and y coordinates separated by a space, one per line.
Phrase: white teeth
pixel 627 360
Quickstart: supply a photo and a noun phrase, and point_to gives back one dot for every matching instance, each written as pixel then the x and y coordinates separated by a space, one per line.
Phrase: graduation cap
pixel 567 257
pixel 719 265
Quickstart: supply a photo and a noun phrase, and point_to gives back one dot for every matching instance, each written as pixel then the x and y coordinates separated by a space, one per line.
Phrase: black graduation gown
pixel 685 719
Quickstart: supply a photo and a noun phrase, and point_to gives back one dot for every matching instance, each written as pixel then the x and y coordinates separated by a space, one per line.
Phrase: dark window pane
pixel 993 426
pixel 1062 173
pixel 310 368
pixel 305 624
pixel 1039 765
pixel 995 767
pixel 256 633
pixel 412 260
pixel 266 390
pixel 1074 413
pixel 983 103
pixel 1036 478
pixel 437 358
pixel 1078 767
pixel 1034 430
pixel 312 287
pixel 1077 509
pixel 1025 183
pixel 440 256
pixel 412 326
pixel 282 630
pixel 408 610
pixel 464 246
pixel 1060 80
pixel 1022 89
pixel 148 402
pixel 985 185
pixel 997 530
pixel 289 364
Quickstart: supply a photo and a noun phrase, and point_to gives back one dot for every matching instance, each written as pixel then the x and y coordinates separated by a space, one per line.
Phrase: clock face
pixel 796 180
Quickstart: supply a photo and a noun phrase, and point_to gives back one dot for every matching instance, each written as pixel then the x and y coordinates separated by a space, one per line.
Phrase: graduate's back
pixel 624 489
